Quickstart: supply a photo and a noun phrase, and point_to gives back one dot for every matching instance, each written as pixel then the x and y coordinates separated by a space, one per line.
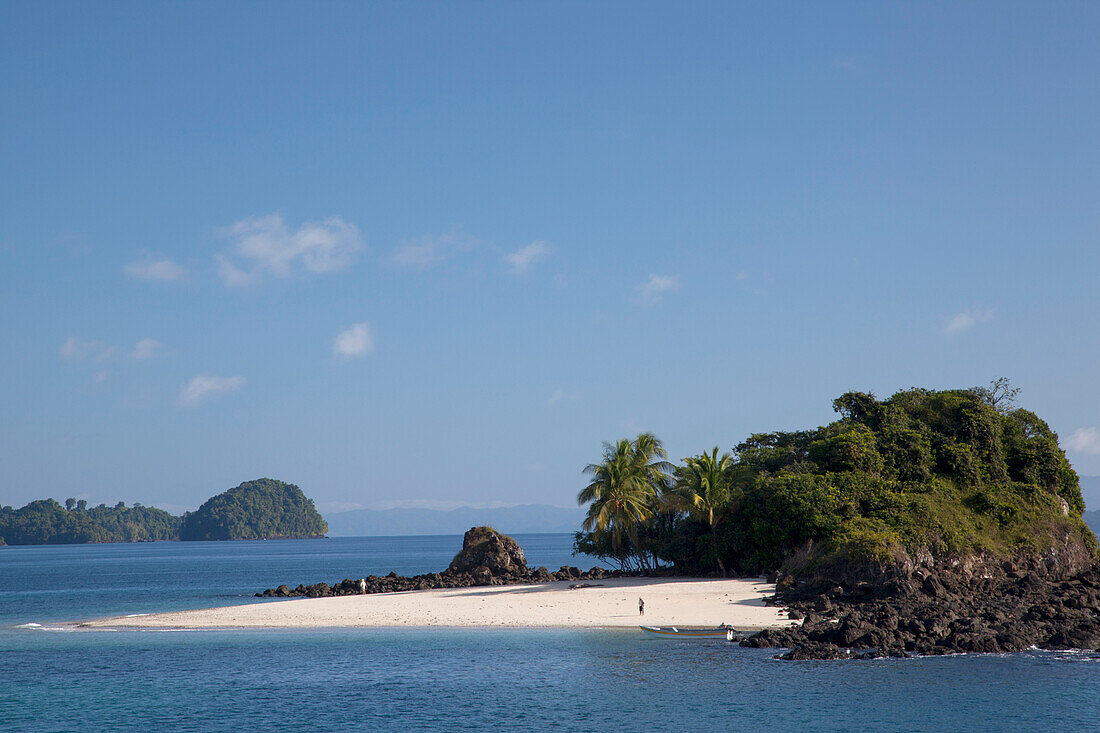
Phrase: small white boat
pixel 674 632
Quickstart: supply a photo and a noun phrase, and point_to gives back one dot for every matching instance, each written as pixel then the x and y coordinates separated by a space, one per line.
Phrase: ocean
pixel 447 679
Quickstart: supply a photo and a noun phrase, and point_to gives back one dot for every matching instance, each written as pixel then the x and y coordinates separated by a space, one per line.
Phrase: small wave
pixel 134 615
pixel 39 627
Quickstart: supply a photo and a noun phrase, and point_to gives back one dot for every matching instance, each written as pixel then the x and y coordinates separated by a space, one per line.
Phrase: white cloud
pixel 657 286
pixel 147 349
pixel 966 320
pixel 525 257
pixel 78 349
pixel 233 275
pixel 425 252
pixel 207 385
pixel 558 395
pixel 358 340
pixel 155 270
pixel 1085 440
pixel 266 245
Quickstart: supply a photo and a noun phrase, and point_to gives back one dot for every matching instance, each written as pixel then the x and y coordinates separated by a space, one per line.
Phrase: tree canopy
pixel 948 473
pixel 46 522
pixel 260 509
pixel 254 510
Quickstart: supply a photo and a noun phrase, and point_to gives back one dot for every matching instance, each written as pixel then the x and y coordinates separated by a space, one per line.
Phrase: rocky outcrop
pixel 487 558
pixel 484 547
pixel 970 605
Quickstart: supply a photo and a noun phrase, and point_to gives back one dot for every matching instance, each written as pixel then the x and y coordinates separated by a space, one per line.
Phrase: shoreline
pixel 607 604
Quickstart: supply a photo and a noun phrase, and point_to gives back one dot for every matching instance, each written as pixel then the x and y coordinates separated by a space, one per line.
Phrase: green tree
pixel 260 509
pixel 703 489
pixel 624 493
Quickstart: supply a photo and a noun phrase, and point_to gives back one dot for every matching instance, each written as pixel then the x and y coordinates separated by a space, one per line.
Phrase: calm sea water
pixel 74 582
pixel 422 679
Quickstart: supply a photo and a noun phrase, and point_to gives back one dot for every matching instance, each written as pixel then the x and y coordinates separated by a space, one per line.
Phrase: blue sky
pixel 429 254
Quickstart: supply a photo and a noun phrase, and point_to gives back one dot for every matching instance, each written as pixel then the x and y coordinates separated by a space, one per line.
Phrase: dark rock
pixel 485 547
pixel 482 575
pixel 815 651
pixel 957 607
pixel 542 575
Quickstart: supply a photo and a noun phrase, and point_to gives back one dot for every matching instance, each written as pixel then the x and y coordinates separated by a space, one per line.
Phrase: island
pixel 931 522
pixel 927 523
pixel 259 509
pixel 47 522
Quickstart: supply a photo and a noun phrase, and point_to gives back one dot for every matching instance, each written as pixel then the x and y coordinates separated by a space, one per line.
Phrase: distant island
pixel 46 522
pixel 260 509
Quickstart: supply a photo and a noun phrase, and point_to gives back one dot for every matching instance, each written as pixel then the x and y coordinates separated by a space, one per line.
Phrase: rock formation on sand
pixel 485 547
pixel 487 557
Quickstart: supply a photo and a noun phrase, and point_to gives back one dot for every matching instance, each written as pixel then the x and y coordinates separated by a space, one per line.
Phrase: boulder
pixel 482 575
pixel 815 651
pixel 485 547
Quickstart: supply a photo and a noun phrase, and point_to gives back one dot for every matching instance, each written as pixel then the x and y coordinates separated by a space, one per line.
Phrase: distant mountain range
pixel 1092 519
pixel 530 518
pixel 1090 491
pixel 526 519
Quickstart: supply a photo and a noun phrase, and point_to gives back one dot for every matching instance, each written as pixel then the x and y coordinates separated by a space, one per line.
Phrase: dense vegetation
pixel 260 509
pixel 45 522
pixel 940 473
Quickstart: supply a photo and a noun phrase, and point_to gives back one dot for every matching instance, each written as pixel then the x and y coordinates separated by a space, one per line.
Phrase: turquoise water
pixel 422 679
pixel 75 582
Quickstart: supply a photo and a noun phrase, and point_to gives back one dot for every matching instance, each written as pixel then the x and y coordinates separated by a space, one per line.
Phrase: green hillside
pixel 260 509
pixel 922 474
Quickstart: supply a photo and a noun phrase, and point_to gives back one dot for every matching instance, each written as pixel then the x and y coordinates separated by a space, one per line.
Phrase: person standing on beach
pixel 641 607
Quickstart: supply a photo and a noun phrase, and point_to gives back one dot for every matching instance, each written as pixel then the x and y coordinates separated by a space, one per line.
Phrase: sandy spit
pixel 608 604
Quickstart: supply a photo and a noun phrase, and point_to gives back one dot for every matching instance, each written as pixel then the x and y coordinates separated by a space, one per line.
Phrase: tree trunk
pixel 717 552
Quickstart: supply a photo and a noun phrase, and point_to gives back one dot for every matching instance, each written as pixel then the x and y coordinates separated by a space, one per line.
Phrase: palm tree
pixel 623 494
pixel 703 489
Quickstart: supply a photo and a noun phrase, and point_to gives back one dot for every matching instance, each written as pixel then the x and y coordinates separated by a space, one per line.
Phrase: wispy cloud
pixel 146 349
pixel 204 386
pixel 78 349
pixel 1085 440
pixel 267 246
pixel 654 289
pixel 966 320
pixel 429 251
pixel 524 258
pixel 151 270
pixel 557 396
pixel 353 342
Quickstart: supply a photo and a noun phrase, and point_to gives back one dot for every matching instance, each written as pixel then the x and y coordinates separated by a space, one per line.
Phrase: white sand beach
pixel 608 604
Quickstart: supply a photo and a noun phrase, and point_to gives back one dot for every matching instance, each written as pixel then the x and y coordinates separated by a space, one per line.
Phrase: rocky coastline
pixel 487 558
pixel 854 611
pixel 975 605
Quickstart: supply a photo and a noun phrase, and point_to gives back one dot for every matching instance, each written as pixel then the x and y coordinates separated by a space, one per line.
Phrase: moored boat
pixel 675 632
